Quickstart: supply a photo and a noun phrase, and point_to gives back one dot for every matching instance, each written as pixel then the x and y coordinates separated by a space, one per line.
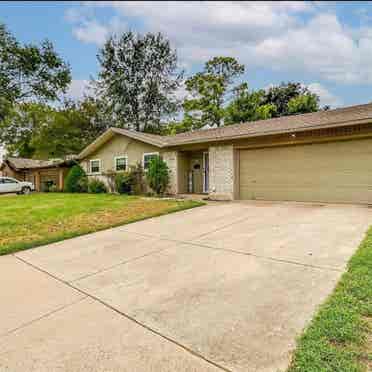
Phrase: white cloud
pixel 91 32
pixel 274 34
pixel 88 29
pixel 325 96
pixel 77 89
pixel 322 47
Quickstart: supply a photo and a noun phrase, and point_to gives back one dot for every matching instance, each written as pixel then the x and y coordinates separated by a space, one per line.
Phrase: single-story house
pixel 324 156
pixel 42 173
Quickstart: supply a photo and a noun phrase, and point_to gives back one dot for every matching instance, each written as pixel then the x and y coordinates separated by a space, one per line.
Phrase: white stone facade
pixel 221 172
pixel 171 158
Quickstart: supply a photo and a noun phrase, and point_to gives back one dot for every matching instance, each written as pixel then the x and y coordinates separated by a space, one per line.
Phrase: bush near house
pixel 96 186
pixel 131 182
pixel 138 179
pixel 123 183
pixel 76 180
pixel 158 175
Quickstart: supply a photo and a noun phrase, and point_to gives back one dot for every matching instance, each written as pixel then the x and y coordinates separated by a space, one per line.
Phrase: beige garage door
pixel 330 172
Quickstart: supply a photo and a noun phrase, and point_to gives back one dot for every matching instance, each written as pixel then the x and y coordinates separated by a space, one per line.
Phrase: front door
pixel 197 174
pixel 205 172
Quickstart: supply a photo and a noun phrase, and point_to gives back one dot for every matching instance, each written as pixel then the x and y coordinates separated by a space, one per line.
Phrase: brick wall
pixel 171 158
pixel 221 172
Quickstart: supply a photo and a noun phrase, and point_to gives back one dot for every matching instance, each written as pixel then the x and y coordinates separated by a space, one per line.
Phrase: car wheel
pixel 26 190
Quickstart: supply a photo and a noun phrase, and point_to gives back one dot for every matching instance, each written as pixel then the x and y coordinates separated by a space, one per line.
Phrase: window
pixel 95 166
pixel 121 163
pixel 9 180
pixel 147 158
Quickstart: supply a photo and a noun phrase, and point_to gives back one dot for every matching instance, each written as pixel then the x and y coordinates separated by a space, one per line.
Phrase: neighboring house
pixel 42 173
pixel 324 156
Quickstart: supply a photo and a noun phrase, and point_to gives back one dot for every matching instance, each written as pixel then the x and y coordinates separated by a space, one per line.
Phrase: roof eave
pixel 269 133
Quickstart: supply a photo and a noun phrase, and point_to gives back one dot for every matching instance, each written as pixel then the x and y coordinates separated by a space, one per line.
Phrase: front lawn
pixel 32 220
pixel 340 336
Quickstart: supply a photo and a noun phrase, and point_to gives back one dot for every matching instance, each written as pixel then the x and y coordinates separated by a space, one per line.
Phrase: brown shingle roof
pixel 23 163
pixel 361 114
pixel 316 120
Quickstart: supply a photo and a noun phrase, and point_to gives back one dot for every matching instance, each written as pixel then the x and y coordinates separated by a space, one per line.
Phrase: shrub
pixel 76 180
pixel 110 177
pixel 158 175
pixel 124 182
pixel 96 186
pixel 137 179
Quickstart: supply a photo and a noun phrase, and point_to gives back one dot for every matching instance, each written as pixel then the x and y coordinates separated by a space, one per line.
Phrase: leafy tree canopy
pixel 281 95
pixel 303 104
pixel 29 72
pixel 248 106
pixel 36 130
pixel 139 77
pixel 209 90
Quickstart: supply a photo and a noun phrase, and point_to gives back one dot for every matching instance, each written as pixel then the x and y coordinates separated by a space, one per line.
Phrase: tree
pixel 209 91
pixel 248 106
pixel 139 77
pixel 41 131
pixel 72 127
pixel 281 95
pixel 29 72
pixel 21 123
pixel 158 175
pixel 303 104
pixel 225 67
pixel 76 180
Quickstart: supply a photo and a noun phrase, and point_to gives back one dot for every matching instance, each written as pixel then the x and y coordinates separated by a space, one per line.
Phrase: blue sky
pixel 327 46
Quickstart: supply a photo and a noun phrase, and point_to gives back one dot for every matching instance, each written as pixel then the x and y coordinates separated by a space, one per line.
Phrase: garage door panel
pixel 334 172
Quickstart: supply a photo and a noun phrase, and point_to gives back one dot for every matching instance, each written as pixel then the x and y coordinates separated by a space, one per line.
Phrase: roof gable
pixel 151 139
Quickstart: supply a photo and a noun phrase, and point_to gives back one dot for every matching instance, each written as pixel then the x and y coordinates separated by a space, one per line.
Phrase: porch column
pixel 221 172
pixel 171 158
pixel 37 181
pixel 60 179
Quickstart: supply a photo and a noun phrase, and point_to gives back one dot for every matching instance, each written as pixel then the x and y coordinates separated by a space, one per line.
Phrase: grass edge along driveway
pixel 39 219
pixel 339 338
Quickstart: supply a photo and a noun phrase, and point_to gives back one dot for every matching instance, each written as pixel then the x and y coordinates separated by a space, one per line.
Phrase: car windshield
pixel 9 180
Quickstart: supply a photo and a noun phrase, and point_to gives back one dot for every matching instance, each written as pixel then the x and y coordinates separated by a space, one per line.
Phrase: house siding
pixel 119 145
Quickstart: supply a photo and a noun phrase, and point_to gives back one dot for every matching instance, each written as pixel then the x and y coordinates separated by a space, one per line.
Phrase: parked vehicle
pixel 11 185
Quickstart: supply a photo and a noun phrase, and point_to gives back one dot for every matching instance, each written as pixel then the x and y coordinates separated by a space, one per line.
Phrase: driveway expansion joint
pixel 46 315
pixel 127 316
pixel 117 264
pixel 268 258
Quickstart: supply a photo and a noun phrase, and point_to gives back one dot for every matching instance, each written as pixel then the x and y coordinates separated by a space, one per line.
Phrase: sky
pixel 324 45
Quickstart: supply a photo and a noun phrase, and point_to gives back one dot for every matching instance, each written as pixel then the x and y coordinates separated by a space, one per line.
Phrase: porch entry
pixel 196 167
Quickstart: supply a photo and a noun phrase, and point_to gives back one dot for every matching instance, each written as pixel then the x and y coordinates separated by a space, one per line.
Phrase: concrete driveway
pixel 223 287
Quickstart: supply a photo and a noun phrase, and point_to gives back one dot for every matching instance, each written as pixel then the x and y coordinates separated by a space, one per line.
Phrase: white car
pixel 11 185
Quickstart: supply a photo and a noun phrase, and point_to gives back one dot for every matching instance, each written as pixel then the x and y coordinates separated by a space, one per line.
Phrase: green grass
pixel 37 219
pixel 339 338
